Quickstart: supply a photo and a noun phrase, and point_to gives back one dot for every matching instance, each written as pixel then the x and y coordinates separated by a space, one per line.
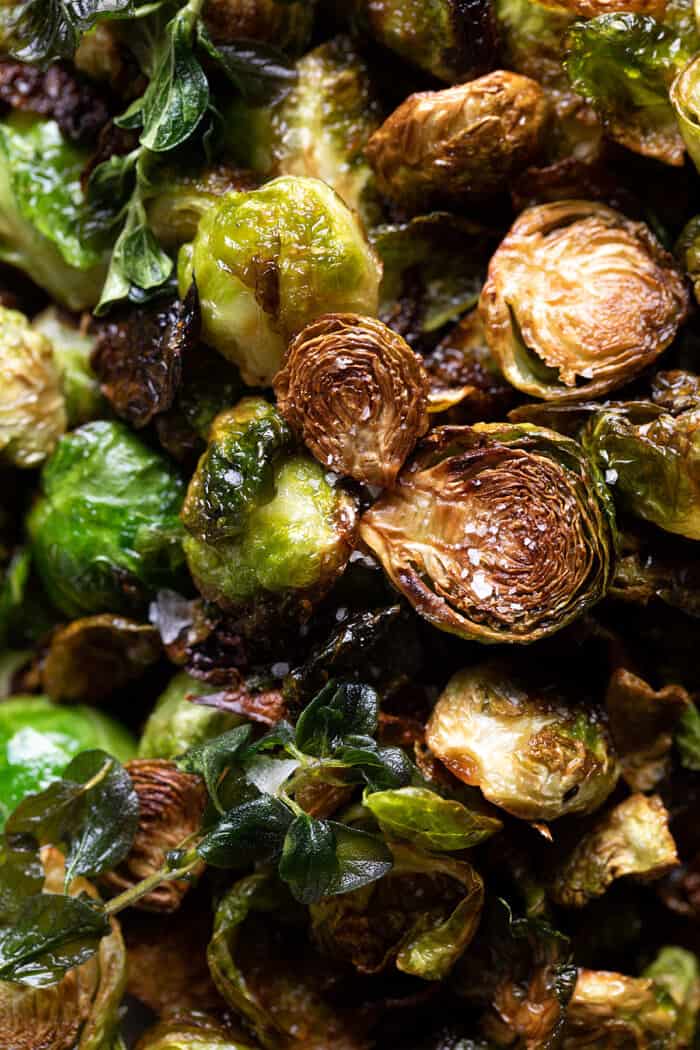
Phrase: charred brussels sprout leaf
pixel 651 459
pixel 32 408
pixel 608 1009
pixel 356 393
pixel 529 751
pixel 424 818
pixel 558 336
pixel 461 143
pixel 497 533
pixel 105 532
pixel 631 839
pixel 624 64
pixel 268 262
pixel 688 738
pixel 41 205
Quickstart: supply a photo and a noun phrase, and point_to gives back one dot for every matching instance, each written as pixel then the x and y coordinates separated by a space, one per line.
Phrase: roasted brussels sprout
pixel 72 348
pixel 175 724
pixel 356 393
pixel 613 1010
pixel 677 972
pixel 461 143
pixel 105 532
pixel 523 743
pixel 38 739
pixel 685 107
pixel 499 533
pixel 80 1011
pixel 320 128
pixel 171 806
pixel 177 199
pixel 579 300
pixel 32 408
pixel 287 25
pixel 452 40
pixel 651 460
pixel 197 1035
pixel 264 523
pixel 40 206
pixel 268 262
pixel 631 839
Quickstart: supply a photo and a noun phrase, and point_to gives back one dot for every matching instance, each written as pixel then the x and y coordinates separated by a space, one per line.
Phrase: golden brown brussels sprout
pixel 194 1035
pixel 677 972
pixel 356 393
pixel 630 839
pixel 285 24
pixel 94 656
pixel 498 532
pixel 579 300
pixel 641 722
pixel 523 743
pixel 268 262
pixel 451 39
pixel 610 1011
pixel 171 805
pixel 684 99
pixel 460 143
pixel 81 1011
pixel 32 409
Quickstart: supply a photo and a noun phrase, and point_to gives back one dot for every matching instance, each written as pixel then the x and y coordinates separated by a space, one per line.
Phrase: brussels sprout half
pixel 268 262
pixel 498 532
pixel 32 408
pixel 579 300
pixel 198 1035
pixel 105 533
pixel 523 743
pixel 72 348
pixel 175 724
pixel 611 1009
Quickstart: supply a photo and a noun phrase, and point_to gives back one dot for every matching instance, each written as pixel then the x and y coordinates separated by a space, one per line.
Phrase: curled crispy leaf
pixel 356 393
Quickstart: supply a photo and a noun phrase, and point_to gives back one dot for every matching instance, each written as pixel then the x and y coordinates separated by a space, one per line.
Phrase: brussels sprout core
pixel 579 300
pixel 356 393
pixel 497 533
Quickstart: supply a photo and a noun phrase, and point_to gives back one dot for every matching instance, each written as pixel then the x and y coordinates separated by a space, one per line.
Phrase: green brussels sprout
pixel 197 1035
pixel 496 533
pixel 320 128
pixel 32 408
pixel 263 521
pixel 270 261
pixel 82 1010
pixel 420 917
pixel 677 971
pixel 523 742
pixel 105 533
pixel 175 725
pixel 39 738
pixel 684 100
pixel 614 1010
pixel 630 839
pixel 285 23
pixel 41 203
pixel 651 460
pixel 624 64
pixel 176 199
pixel 72 348
pixel 452 40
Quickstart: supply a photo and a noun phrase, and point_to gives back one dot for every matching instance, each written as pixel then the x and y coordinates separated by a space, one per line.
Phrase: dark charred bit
pixel 574 179
pixel 200 639
pixel 77 106
pixel 111 142
pixel 138 357
pixel 476 30
pixel 267 708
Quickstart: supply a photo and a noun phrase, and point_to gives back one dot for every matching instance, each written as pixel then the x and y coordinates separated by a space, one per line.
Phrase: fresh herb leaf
pixel 260 72
pixel 21 876
pixel 253 831
pixel 42 30
pixel 211 759
pixel 177 96
pixel 688 737
pixel 381 767
pixel 361 858
pixel 339 711
pixel 308 863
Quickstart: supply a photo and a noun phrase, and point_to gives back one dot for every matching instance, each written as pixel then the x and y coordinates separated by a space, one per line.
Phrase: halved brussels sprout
pixel 447 38
pixel 686 107
pixel 80 1012
pixel 461 143
pixel 421 917
pixel 651 460
pixel 320 128
pixel 171 806
pixel 624 64
pixel 176 200
pixel 579 300
pixel 268 262
pixel 356 393
pixel 630 839
pixel 286 24
pixel 497 532
pixel 105 533
pixel 72 348
pixel 613 1010
pixel 264 522
pixel 175 724
pixel 676 970
pixel 32 409
pixel 523 743
pixel 198 1034
pixel 38 739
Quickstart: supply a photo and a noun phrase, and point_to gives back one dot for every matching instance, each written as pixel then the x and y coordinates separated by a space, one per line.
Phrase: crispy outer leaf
pixel 253 831
pixel 308 863
pixel 339 711
pixel 211 759
pixel 426 819
pixel 49 936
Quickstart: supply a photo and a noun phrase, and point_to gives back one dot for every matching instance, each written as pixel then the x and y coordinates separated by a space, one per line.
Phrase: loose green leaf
pixel 261 73
pixel 339 711
pixel 51 935
pixel 426 819
pixel 253 831
pixel 178 94
pixel 308 863
pixel 211 759
pixel 688 737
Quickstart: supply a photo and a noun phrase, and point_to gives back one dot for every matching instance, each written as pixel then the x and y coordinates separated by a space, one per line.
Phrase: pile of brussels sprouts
pixel 349 566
